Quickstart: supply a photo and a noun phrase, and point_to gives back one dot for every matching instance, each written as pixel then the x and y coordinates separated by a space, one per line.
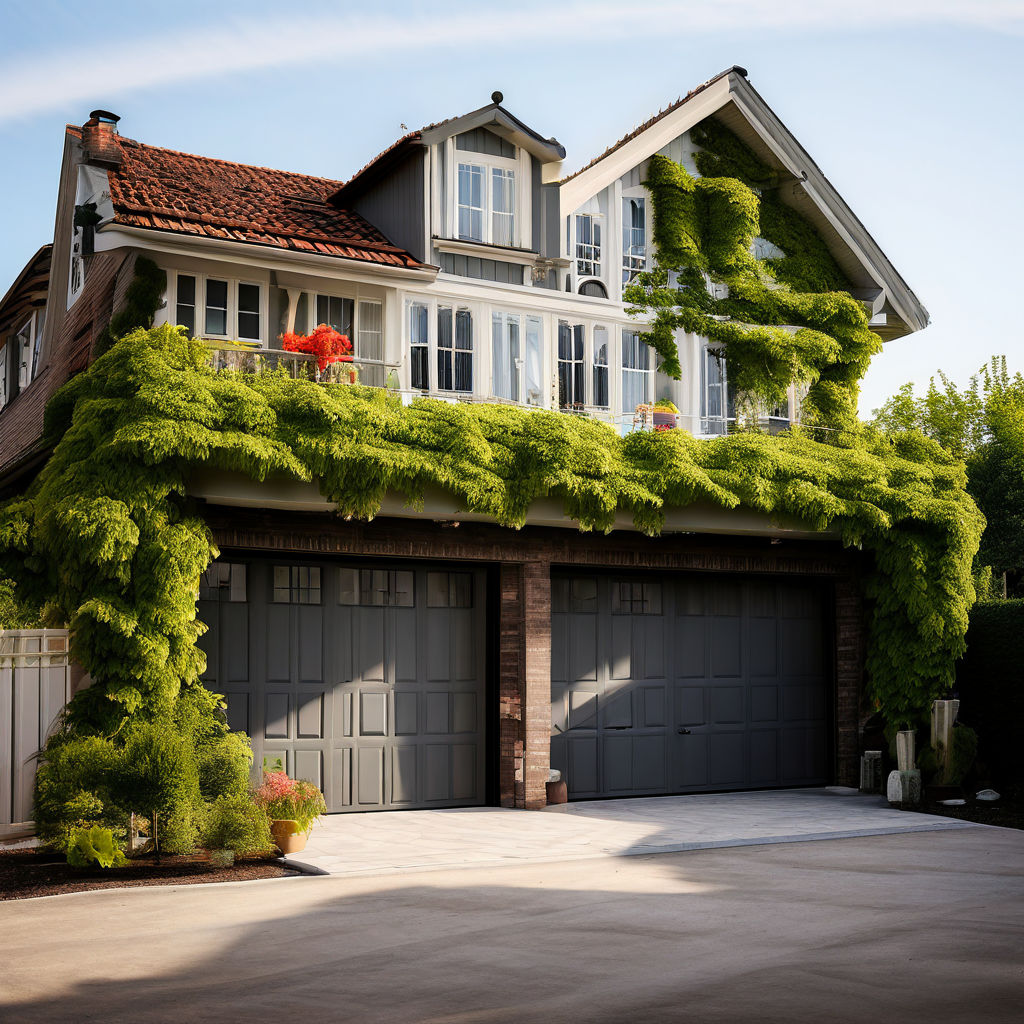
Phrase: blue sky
pixel 910 107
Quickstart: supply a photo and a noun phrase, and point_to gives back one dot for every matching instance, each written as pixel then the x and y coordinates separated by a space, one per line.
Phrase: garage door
pixel 687 684
pixel 367 681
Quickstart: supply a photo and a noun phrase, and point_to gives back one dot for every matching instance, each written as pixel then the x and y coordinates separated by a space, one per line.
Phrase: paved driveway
pixel 911 927
pixel 370 844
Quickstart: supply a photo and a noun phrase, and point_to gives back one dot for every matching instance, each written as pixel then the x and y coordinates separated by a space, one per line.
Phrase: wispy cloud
pixel 129 64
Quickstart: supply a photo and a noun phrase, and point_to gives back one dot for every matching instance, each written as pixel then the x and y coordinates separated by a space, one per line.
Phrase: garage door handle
pixel 682 731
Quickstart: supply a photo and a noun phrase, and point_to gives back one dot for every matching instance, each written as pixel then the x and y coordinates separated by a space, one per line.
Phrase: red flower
pixel 325 343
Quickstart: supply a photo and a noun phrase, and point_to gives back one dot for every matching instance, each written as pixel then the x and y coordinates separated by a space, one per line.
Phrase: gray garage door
pixel 684 684
pixel 367 681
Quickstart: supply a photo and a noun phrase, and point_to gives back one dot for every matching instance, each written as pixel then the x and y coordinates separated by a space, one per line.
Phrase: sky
pixel 910 107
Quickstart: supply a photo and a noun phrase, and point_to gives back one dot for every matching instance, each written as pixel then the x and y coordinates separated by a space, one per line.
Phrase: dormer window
pixel 486 203
pixel 588 245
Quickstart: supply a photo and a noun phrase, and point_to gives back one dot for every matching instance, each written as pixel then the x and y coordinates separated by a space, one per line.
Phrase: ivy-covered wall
pixel 785 320
pixel 108 537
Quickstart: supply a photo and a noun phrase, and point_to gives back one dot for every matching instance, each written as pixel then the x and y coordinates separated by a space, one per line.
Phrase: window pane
pixel 249 312
pixel 463 350
pixel 216 307
pixel 370 337
pixel 502 206
pixel 601 367
pixel 534 389
pixel 186 312
pixel 438 590
pixel 418 337
pixel 444 348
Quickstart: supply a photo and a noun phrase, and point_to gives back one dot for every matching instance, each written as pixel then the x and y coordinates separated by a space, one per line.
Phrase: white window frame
pixel 451 353
pixel 606 365
pixel 631 345
pixel 714 426
pixel 635 264
pixel 231 314
pixel 479 336
pixel 502 353
pixel 595 258
pixel 488 164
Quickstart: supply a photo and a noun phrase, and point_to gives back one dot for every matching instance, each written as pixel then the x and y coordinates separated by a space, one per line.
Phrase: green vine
pixel 107 536
pixel 141 301
pixel 782 320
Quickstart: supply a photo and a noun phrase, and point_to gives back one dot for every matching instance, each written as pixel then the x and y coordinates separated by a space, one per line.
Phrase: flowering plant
pixel 290 800
pixel 325 343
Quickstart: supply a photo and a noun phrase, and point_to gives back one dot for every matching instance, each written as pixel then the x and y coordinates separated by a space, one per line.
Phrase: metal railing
pixel 242 358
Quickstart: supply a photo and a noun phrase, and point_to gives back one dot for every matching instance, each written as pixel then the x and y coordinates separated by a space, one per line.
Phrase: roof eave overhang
pixel 498 120
pixel 25 273
pixel 115 236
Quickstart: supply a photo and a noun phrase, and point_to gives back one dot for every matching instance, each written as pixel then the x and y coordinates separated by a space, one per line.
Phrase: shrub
pixel 224 766
pixel 94 846
pixel 290 799
pixel 236 822
pixel 77 788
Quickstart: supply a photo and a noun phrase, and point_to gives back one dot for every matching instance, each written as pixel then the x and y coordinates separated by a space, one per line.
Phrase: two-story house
pixel 430 657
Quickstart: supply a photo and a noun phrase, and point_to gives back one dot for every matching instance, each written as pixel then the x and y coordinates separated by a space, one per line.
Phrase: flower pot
pixel 287 836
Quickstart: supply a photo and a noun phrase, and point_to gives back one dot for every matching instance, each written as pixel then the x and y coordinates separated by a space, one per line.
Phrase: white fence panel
pixel 35 684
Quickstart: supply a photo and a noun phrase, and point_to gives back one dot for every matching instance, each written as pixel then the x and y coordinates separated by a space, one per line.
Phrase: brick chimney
pixel 99 139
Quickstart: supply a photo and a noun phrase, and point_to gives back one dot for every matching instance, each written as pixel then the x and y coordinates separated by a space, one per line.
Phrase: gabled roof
pixel 732 99
pixel 29 289
pixel 165 190
pixel 492 116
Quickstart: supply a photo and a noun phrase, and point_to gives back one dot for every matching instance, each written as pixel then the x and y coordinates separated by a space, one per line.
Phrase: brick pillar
pixel 511 657
pixel 849 624
pixel 537 682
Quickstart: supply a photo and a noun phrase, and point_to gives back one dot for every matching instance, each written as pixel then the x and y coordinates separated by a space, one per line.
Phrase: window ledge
pixel 510 254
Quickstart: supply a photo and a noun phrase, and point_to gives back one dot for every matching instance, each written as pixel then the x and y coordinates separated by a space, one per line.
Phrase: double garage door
pixel 686 684
pixel 367 681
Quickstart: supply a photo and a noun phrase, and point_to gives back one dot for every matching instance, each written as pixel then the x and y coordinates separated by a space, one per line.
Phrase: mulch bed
pixel 28 873
pixel 1007 811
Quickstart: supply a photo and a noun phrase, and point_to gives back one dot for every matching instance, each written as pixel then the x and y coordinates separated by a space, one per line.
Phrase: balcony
pixel 242 358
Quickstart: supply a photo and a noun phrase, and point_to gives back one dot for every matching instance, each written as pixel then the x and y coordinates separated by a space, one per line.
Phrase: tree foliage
pixel 108 535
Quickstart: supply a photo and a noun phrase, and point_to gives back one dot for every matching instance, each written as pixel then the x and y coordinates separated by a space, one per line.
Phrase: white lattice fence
pixel 35 684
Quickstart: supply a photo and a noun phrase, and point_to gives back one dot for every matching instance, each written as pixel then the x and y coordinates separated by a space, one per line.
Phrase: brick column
pixel 849 647
pixel 537 682
pixel 511 656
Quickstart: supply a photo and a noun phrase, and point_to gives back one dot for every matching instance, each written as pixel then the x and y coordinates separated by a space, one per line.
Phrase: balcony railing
pixel 298 365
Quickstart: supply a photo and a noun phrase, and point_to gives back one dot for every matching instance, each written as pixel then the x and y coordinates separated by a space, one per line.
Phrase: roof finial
pixel 496 97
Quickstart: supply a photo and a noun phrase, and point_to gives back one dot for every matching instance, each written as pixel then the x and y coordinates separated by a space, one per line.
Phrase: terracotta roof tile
pixel 170 191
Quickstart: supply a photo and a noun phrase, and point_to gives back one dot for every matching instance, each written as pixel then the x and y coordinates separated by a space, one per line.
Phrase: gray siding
pixel 548 242
pixel 537 224
pixel 481 269
pixel 480 140
pixel 395 205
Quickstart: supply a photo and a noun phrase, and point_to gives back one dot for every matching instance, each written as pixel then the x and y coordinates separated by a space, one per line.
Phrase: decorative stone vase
pixel 287 836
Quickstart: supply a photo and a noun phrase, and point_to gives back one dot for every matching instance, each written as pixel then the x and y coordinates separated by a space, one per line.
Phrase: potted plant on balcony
pixel 327 345
pixel 292 805
pixel 666 415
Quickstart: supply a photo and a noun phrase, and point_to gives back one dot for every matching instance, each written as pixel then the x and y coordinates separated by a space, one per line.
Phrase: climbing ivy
pixel 782 320
pixel 108 537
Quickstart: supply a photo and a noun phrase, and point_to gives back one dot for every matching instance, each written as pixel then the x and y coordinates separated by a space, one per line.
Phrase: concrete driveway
pixel 365 844
pixel 921 926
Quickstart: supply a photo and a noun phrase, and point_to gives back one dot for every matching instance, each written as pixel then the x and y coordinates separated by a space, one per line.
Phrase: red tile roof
pixel 650 122
pixel 166 190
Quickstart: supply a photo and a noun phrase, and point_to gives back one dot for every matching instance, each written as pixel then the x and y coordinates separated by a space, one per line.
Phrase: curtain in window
pixel 571 392
pixel 601 367
pixel 534 375
pixel 463 350
pixel 471 202
pixel 636 360
pixel 505 355
pixel 717 407
pixel 503 193
pixel 444 348
pixel 369 343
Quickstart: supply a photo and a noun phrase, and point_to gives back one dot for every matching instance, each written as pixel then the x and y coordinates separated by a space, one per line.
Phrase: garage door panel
pixel 439 656
pixel 692 757
pixel 764 757
pixel 583 709
pixel 582 766
pixel 650 763
pixel 620 655
pixel 559 649
pixel 311 644
pixel 690 655
pixel 726 647
pixel 618 764
pixel 728 704
pixel 437 714
pixel 236 641
pixel 649 631
pixel 341 720
pixel 618 709
pixel 279 649
pixel 373 714
pixel 726 759
pixel 690 705
pixel 464 771
pixel 763 647
pixel 237 712
pixel 405 645
pixel 275 718
pixel 582 647
pixel 437 783
pixel 465 716
pixel 370 776
pixel 369 625
pixel 653 701
pixel 309 765
pixel 464 645
pixel 341 777
pixel 406 713
pixel 404 781
pixel 311 716
pixel 801 647
pixel 764 703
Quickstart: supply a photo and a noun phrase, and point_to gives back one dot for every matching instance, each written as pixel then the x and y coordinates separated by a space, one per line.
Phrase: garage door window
pixel 223 581
pixel 376 588
pixel 449 590
pixel 296 584
pixel 630 598
pixel 577 595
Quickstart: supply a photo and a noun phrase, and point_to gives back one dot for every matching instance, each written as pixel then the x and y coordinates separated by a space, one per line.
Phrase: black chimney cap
pixel 104 115
pixel 496 97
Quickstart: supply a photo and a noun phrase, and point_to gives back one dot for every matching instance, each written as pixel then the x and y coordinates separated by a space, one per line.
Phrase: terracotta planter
pixel 287 836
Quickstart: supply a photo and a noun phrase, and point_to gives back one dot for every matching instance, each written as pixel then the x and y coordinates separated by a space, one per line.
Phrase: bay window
pixel 634 237
pixel 636 372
